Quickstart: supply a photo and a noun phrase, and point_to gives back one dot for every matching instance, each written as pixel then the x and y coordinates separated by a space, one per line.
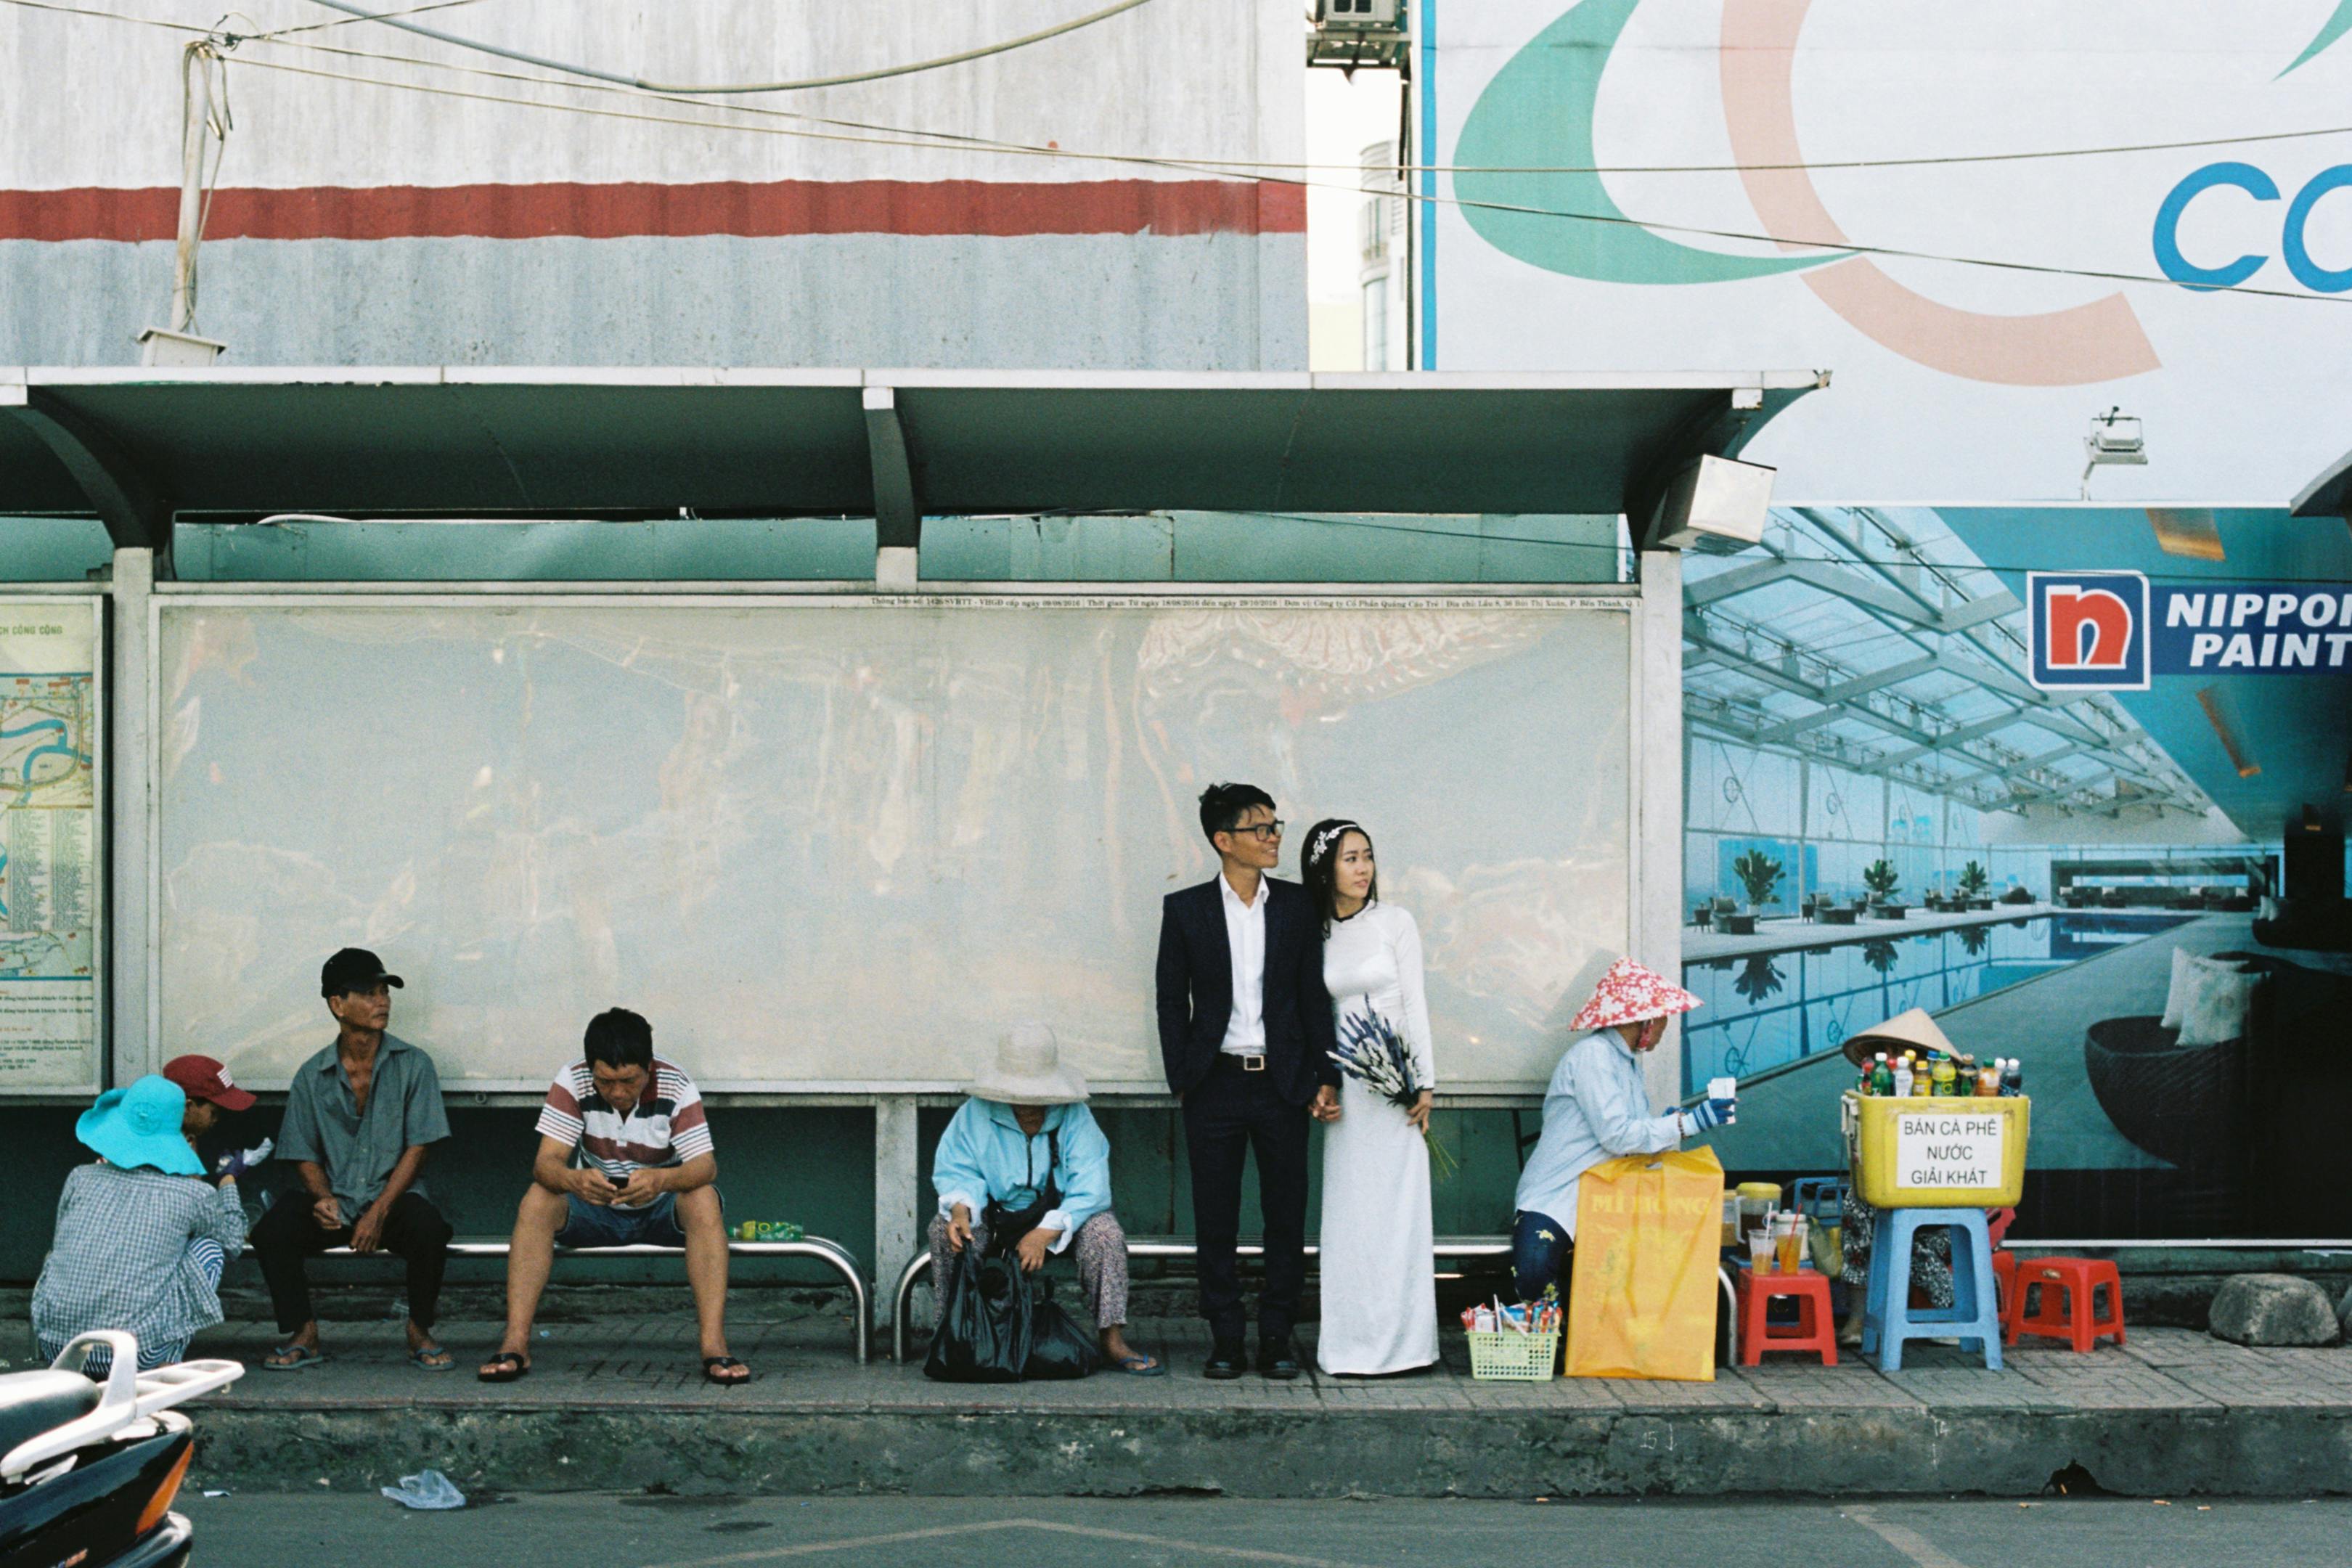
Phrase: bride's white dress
pixel 1379 1280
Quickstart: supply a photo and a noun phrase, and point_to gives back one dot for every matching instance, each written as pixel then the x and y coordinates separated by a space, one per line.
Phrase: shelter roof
pixel 139 443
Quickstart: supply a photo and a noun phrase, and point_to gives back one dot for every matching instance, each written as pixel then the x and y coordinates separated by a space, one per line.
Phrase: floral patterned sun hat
pixel 1628 993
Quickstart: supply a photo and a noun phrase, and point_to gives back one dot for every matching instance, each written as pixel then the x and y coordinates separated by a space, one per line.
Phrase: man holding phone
pixel 624 1159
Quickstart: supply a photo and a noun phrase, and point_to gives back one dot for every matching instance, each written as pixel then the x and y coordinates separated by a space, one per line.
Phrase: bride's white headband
pixel 1330 836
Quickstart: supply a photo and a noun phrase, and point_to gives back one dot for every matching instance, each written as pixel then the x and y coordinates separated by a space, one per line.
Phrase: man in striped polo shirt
pixel 625 1158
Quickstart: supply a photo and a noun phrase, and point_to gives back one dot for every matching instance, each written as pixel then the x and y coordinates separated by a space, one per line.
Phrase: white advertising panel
pixel 1862 186
pixel 847 843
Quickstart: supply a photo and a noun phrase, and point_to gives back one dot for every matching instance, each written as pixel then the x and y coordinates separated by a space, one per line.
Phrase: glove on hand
pixel 1710 1114
pixel 244 1160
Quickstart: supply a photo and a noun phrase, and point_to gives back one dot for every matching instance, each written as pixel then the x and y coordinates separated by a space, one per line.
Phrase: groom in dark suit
pixel 1245 1032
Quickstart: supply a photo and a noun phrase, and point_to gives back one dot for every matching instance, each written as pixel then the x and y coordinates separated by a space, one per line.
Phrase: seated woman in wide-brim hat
pixel 1023 1171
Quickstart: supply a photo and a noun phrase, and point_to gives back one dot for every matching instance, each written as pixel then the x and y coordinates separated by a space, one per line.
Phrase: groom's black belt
pixel 1246 1064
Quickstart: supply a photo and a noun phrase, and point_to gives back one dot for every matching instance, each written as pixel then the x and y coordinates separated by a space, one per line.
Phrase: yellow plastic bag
pixel 1642 1301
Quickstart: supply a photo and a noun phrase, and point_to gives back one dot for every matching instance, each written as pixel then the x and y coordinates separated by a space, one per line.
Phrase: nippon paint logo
pixel 2086 631
pixel 2256 628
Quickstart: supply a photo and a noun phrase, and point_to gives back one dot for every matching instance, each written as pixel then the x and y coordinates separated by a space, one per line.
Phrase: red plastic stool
pixel 2004 1281
pixel 2074 1319
pixel 1816 1327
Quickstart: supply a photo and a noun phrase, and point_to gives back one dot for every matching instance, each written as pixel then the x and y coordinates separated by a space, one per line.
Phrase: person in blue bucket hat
pixel 141 1234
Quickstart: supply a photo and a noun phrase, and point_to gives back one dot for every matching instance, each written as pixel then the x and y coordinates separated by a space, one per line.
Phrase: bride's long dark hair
pixel 1318 865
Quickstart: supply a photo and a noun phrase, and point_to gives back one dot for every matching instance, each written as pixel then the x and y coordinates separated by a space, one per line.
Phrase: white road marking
pixel 1910 1543
pixel 937 1533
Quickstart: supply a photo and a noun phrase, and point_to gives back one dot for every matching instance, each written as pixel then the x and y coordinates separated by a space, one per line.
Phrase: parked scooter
pixel 89 1471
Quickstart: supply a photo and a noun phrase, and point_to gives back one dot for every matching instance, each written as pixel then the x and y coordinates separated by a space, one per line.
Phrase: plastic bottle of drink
pixel 1881 1076
pixel 1923 1076
pixel 1987 1085
pixel 2013 1078
pixel 1946 1079
pixel 1903 1073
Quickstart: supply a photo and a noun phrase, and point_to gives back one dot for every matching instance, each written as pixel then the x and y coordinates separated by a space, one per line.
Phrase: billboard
pixel 1991 223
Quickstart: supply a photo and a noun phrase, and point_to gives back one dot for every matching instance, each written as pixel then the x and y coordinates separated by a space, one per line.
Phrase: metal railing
pixel 1445 1247
pixel 843 1262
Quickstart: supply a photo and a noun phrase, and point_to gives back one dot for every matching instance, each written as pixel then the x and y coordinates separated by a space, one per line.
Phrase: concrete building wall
pixel 404 208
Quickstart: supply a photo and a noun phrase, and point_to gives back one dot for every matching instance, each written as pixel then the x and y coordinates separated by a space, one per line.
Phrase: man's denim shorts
pixel 587 1224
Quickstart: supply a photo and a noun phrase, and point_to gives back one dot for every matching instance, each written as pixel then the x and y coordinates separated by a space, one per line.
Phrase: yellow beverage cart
pixel 1919 1151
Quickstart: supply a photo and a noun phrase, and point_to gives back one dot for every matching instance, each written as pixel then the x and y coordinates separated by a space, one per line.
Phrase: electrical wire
pixel 593 74
pixel 232 39
pixel 1831 250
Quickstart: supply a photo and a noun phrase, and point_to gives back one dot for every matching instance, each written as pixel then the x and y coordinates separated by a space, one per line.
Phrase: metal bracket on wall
pixel 137 514
pixel 897 517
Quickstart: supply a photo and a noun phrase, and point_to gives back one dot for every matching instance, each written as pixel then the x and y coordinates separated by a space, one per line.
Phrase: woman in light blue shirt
pixel 1598 1107
pixel 1023 1170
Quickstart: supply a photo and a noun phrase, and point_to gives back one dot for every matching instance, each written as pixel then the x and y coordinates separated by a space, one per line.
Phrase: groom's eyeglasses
pixel 1263 832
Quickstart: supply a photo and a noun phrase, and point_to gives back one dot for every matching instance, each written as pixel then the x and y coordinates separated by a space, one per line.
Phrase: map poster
pixel 50 887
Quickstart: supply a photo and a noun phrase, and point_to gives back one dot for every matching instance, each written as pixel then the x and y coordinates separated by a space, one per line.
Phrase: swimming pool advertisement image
pixel 2166 1044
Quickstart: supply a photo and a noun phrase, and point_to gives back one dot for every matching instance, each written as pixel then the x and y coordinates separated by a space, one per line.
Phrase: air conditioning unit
pixel 1349 33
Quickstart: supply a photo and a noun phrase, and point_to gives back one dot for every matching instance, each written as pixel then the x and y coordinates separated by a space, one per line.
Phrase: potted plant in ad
pixel 1973 885
pixel 1759 878
pixel 1880 879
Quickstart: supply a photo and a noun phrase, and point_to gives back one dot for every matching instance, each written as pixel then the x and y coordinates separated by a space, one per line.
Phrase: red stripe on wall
pixel 671 211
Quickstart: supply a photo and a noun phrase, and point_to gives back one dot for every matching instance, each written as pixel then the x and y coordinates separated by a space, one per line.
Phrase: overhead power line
pixel 614 83
pixel 877 74
pixel 904 137
pixel 1830 248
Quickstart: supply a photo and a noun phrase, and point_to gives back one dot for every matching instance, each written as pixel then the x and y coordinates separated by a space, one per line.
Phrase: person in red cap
pixel 210 1091
pixel 1598 1107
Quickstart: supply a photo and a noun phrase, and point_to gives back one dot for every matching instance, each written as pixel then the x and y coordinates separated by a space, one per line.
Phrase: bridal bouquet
pixel 1375 1055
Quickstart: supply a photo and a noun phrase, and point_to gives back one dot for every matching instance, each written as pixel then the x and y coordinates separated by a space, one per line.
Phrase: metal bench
pixel 843 1262
pixel 1169 1246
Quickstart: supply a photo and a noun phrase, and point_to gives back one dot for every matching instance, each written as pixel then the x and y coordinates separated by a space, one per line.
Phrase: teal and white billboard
pixel 1991 222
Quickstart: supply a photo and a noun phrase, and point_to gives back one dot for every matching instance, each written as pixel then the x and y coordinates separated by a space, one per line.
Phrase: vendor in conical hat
pixel 1598 1107
pixel 1931 1253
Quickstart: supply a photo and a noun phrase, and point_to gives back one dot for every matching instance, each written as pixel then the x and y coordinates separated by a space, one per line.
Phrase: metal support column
pixel 130 937
pixel 897 1187
pixel 1657 730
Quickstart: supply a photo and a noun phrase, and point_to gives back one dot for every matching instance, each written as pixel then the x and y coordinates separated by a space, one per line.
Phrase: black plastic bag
pixel 1058 1348
pixel 985 1331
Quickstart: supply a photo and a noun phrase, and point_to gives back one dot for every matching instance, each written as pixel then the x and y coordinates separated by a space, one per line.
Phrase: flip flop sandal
pixel 714 1365
pixel 304 1355
pixel 504 1367
pixel 1141 1365
pixel 417 1359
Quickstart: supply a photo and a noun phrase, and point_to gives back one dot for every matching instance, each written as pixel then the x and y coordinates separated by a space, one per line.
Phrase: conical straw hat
pixel 1628 993
pixel 1914 1028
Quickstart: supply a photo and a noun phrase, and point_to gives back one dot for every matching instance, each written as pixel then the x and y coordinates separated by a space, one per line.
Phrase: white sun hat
pixel 1028 1070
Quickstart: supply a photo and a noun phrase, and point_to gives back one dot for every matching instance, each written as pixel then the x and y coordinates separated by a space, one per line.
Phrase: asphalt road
pixel 592 1531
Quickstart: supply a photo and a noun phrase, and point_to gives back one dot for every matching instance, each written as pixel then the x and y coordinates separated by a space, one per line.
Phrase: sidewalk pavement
pixel 619 1405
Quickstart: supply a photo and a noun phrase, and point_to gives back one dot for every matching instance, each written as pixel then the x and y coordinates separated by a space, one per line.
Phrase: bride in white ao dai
pixel 1379 1279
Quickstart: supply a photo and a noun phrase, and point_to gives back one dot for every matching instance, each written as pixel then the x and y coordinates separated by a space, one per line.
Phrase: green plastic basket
pixel 1506 1356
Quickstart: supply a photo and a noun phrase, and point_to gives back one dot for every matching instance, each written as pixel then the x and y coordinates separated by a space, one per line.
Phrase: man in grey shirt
pixel 359 1116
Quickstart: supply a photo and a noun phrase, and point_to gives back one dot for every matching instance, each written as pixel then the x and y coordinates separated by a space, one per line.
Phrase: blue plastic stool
pixel 1888 1317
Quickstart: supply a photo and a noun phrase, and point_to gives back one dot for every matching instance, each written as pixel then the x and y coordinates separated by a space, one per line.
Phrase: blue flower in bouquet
pixel 1373 1052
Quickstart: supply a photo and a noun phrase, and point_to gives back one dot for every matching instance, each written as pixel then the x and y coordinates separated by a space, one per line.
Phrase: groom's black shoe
pixel 1276 1360
pixel 1224 1361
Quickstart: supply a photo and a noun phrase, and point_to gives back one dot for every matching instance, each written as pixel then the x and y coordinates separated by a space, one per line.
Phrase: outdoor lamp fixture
pixel 2114 441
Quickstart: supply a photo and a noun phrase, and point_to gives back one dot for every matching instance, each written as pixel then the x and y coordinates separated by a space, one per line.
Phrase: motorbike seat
pixel 32 1402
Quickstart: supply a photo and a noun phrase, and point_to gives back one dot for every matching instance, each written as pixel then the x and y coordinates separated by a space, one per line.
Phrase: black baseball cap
pixel 353 969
